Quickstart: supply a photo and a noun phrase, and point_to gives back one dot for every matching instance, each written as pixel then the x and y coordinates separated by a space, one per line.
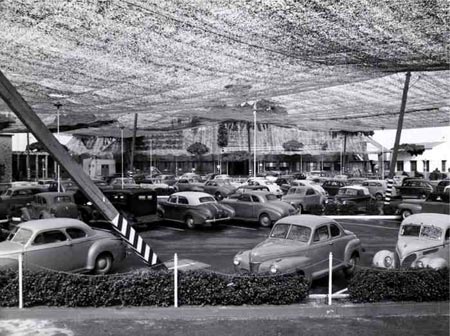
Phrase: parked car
pixel 332 186
pixel 377 188
pixel 259 206
pixel 62 244
pixel 302 244
pixel 246 188
pixel 160 188
pixel 309 183
pixel 185 184
pixel 423 242
pixel 194 209
pixel 123 183
pixel 14 198
pixel 357 195
pixel 49 205
pixel 356 180
pixel 273 188
pixel 415 188
pixel 219 188
pixel 167 179
pixel 64 186
pixel 440 187
pixel 434 203
pixel 303 198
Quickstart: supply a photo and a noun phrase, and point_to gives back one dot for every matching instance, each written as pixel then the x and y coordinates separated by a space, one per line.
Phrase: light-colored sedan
pixel 303 198
pixel 259 206
pixel 62 244
pixel 302 244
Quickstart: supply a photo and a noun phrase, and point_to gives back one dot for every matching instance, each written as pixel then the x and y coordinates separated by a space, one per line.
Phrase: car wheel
pixel 218 196
pixel 189 221
pixel 352 264
pixel 379 197
pixel 264 220
pixel 405 213
pixel 103 263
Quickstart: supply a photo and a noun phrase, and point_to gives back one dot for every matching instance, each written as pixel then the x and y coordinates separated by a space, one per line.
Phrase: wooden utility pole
pixel 27 116
pixel 133 143
pixel 399 126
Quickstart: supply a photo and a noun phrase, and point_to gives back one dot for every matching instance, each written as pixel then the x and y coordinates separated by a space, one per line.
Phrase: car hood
pixel 293 197
pixel 274 248
pixel 7 248
pixel 406 246
pixel 214 207
pixel 279 205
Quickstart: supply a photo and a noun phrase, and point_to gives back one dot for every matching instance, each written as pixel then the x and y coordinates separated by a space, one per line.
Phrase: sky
pixel 414 135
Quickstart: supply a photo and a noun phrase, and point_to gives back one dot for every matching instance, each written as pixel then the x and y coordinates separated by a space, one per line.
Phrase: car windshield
pixel 20 235
pixel 280 231
pixel 347 191
pixel 299 233
pixel 424 231
pixel 207 199
pixel 271 197
pixel 222 182
pixel 62 199
pixel 7 192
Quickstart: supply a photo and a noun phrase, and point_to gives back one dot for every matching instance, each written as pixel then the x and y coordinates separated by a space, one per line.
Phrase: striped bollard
pixel 387 198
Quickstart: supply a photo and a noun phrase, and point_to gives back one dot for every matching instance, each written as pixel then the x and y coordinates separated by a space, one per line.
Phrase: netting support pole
pixel 330 278
pixel 175 280
pixel 20 261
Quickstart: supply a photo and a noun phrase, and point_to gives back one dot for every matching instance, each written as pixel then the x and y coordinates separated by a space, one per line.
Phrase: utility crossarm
pixel 25 113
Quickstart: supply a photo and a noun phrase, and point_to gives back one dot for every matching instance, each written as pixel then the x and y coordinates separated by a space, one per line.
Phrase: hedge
pixel 149 288
pixel 373 285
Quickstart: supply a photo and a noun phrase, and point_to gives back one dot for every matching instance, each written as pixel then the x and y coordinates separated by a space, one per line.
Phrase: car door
pixel 50 249
pixel 170 207
pixel 338 243
pixel 79 245
pixel 311 197
pixel 180 208
pixel 243 207
pixel 319 250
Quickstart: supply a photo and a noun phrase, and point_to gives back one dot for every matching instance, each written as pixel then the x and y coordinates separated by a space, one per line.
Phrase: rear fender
pixel 353 246
pixel 114 246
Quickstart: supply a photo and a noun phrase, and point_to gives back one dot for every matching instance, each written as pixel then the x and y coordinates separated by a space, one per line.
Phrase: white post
pixel 330 278
pixel 58 173
pixel 175 278
pixel 254 141
pixel 121 149
pixel 151 156
pixel 20 260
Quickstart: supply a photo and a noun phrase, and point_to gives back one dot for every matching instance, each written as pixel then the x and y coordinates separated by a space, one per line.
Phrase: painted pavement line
pixel 371 226
pixel 241 227
pixel 171 228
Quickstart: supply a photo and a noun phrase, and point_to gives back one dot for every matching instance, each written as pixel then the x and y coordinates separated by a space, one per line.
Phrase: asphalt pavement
pixel 303 319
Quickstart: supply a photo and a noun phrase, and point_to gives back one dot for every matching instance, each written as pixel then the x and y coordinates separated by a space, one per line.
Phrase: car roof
pixel 311 221
pixel 25 187
pixel 191 194
pixel 358 187
pixel 435 219
pixel 257 192
pixel 52 223
pixel 49 194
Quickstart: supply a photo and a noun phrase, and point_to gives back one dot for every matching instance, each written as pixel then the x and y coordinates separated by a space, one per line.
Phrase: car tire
pixel 352 265
pixel 218 196
pixel 379 197
pixel 405 213
pixel 103 263
pixel 189 222
pixel 264 220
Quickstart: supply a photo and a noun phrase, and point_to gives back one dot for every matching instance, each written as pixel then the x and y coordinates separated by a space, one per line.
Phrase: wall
pixel 93 167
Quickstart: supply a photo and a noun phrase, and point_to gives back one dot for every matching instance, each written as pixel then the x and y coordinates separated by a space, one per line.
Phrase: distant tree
pixel 412 149
pixel 292 146
pixel 198 149
pixel 222 136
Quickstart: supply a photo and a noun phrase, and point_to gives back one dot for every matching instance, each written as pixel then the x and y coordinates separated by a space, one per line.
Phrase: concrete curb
pixel 231 312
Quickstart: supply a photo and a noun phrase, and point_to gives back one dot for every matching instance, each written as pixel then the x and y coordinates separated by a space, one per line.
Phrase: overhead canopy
pixel 321 64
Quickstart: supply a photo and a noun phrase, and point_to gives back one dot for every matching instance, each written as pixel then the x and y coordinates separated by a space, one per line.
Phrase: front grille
pixel 406 263
pixel 254 267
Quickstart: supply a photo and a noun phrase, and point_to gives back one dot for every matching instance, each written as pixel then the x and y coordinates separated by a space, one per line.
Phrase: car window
pixel 447 235
pixel 280 231
pixel 321 234
pixel 431 232
pixel 334 230
pixel 300 233
pixel 271 197
pixel 310 192
pixel 172 199
pixel 20 235
pixel 76 233
pixel 300 191
pixel 255 199
pixel 410 230
pixel 62 199
pixel 207 199
pixel 182 200
pixel 49 237
pixel 364 184
pixel 245 198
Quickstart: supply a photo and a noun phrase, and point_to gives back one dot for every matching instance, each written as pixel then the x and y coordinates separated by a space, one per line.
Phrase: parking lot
pixel 214 248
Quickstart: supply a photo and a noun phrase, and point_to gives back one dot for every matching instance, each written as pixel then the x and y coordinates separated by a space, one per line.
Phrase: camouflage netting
pixel 321 64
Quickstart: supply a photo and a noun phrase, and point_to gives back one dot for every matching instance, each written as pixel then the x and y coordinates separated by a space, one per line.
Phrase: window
pixel 447 235
pixel 172 199
pixel 182 200
pixel 413 165
pixel 75 233
pixel 49 237
pixel 321 234
pixel 310 192
pixel 255 199
pixel 62 199
pixel 271 197
pixel 426 165
pixel 300 233
pixel 280 231
pixel 20 235
pixel 399 165
pixel 334 230
pixel 207 199
pixel 245 198
pixel 443 165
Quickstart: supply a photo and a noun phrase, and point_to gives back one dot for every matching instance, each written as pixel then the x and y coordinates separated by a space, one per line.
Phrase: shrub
pixel 372 285
pixel 316 209
pixel 331 209
pixel 348 209
pixel 149 288
pixel 372 208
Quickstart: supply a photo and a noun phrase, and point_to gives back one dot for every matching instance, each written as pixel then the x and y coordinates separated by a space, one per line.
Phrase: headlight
pixel 236 261
pixel 419 264
pixel 273 269
pixel 387 261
